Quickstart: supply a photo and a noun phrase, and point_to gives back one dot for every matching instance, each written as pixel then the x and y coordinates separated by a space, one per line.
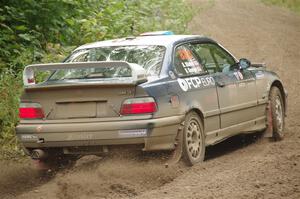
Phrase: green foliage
pixel 123 18
pixel 46 31
pixel 10 88
pixel 291 4
pixel 28 27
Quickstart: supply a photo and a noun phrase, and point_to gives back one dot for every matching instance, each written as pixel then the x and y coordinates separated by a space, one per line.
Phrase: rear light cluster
pixel 132 106
pixel 31 111
pixel 143 105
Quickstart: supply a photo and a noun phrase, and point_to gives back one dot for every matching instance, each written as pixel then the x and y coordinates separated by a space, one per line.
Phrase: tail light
pixel 138 106
pixel 31 111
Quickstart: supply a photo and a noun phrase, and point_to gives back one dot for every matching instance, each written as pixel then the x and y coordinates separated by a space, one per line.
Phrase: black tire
pixel 193 141
pixel 277 112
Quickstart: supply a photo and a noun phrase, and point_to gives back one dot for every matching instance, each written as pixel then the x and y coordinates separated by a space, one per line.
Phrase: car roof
pixel 160 40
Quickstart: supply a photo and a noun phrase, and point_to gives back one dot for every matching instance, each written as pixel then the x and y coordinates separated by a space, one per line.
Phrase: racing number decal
pixel 185 54
pixel 195 82
pixel 189 62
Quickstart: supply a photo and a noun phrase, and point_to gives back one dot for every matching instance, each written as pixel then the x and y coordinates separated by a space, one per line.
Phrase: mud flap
pixel 177 153
pixel 269 130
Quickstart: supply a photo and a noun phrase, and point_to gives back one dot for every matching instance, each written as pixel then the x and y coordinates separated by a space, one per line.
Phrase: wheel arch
pixel 200 114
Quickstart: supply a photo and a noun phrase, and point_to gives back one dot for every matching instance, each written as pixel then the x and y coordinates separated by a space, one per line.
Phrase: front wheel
pixel 277 113
pixel 193 139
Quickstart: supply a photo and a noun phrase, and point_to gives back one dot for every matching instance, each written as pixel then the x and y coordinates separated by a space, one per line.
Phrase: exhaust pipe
pixel 38 154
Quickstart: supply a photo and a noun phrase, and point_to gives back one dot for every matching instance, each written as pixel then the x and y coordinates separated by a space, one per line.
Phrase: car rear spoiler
pixel 138 73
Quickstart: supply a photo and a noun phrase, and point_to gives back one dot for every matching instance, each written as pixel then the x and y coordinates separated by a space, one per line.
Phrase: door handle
pixel 220 84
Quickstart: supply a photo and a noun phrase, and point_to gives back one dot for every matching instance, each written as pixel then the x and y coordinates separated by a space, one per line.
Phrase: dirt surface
pixel 241 167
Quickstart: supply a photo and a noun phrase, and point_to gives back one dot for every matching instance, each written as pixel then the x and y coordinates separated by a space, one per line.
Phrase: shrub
pixel 10 88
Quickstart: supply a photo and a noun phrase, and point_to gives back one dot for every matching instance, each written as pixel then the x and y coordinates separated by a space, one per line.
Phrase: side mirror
pixel 244 63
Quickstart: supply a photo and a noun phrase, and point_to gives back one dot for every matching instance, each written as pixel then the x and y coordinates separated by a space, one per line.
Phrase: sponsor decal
pixel 133 133
pixel 195 82
pixel 28 137
pixel 238 75
pixel 185 54
pixel 188 61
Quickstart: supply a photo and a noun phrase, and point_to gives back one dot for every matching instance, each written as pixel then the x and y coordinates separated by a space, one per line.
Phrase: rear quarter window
pixel 186 62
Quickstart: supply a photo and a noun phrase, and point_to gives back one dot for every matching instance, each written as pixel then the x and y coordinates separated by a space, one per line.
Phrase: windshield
pixel 148 57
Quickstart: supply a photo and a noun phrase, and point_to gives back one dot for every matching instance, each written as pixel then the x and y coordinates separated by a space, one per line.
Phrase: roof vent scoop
pixel 157 33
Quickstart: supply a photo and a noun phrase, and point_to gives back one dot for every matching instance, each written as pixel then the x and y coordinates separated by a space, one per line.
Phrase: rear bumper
pixel 155 134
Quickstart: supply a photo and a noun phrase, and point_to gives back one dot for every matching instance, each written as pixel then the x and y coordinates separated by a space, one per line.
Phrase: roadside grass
pixel 290 4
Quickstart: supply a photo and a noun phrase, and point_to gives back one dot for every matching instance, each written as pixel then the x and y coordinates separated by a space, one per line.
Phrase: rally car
pixel 158 91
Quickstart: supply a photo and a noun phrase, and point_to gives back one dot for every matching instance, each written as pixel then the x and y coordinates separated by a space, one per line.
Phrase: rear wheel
pixel 277 113
pixel 193 139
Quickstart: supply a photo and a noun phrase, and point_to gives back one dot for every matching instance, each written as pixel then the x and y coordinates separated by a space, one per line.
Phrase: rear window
pixel 148 57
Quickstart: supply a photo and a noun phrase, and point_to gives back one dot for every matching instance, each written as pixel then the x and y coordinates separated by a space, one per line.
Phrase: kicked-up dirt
pixel 241 167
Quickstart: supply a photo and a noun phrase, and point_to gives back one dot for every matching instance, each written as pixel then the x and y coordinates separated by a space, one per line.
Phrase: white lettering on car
pixel 209 80
pixel 195 82
pixel 198 81
pixel 188 80
pixel 183 85
pixel 203 82
pixel 133 133
pixel 238 75
pixel 28 137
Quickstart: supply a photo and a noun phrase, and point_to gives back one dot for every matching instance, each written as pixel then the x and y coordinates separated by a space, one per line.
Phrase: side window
pixel 186 62
pixel 214 58
pixel 205 54
pixel 223 59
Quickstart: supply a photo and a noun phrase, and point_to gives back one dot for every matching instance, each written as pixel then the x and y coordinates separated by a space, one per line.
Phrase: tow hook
pixel 40 141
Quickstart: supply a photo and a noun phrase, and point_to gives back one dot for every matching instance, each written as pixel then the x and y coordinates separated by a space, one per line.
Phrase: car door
pixel 195 87
pixel 235 88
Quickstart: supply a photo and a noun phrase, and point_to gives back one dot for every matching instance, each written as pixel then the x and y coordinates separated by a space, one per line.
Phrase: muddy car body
pixel 188 92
